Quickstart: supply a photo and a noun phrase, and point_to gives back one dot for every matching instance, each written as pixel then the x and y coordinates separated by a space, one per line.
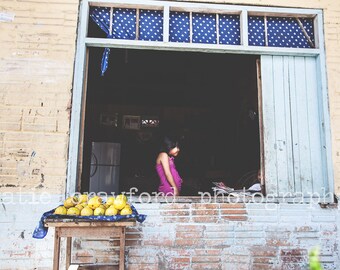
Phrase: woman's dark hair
pixel 168 143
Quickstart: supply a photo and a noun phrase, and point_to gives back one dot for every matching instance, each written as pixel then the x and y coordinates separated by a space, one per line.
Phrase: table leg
pixel 68 251
pixel 56 254
pixel 122 249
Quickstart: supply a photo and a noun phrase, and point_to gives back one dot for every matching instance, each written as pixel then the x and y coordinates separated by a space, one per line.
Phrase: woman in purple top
pixel 170 181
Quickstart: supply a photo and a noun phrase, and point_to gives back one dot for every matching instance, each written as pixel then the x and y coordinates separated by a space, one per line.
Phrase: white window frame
pixel 84 42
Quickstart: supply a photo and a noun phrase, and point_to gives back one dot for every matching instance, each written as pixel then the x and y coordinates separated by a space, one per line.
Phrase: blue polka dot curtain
pixel 207 28
pixel 281 32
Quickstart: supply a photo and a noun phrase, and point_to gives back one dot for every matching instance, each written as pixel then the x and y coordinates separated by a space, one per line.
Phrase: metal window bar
pixel 137 23
pixel 190 26
pixel 217 29
pixel 166 22
pixel 111 21
pixel 305 33
pixel 265 31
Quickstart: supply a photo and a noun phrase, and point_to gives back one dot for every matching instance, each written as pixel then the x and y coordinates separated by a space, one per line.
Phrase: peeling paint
pixel 8 185
pixel 42 180
pixel 22 235
pixel 35 171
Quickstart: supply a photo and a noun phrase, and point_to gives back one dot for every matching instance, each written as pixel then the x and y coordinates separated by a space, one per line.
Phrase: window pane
pixel 256 31
pixel 179 27
pixel 286 32
pixel 124 23
pixel 229 26
pixel 204 28
pixel 151 25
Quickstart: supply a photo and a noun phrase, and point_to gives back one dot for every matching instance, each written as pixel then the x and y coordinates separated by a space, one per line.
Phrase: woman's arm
pixel 164 160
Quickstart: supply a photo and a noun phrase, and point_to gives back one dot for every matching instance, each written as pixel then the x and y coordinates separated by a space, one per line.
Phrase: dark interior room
pixel 210 101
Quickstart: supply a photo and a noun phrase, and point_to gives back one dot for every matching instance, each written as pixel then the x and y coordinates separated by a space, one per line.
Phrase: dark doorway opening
pixel 209 100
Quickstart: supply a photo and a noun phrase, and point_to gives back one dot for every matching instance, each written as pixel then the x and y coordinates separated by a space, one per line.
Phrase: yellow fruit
pixel 79 206
pixel 126 211
pixel 84 204
pixel 60 210
pixel 73 211
pixel 94 202
pixel 107 205
pixel 70 202
pixel 121 196
pixel 102 206
pixel 99 211
pixel 83 198
pixel 119 203
pixel 87 211
pixel 111 211
pixel 110 200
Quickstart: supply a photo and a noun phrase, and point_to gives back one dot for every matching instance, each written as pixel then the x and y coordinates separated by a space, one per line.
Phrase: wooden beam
pixel 111 21
pixel 207 7
pixel 217 28
pixel 260 114
pixel 197 47
pixel 122 248
pixel 305 33
pixel 190 26
pixel 265 31
pixel 137 23
pixel 77 92
pixel 68 252
pixel 244 28
pixel 82 124
pixel 166 22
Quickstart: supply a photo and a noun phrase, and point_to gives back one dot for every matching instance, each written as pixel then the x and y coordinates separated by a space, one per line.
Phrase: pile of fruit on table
pixel 82 205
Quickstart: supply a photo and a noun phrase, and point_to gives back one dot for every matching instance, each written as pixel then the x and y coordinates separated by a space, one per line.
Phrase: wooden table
pixel 86 228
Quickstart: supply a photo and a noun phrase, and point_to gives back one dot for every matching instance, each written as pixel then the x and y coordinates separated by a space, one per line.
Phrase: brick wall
pixel 19 215
pixel 36 73
pixel 182 236
pixel 222 236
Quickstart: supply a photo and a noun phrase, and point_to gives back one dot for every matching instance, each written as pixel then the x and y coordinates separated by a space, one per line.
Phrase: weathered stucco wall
pixel 36 73
pixel 225 236
pixel 36 66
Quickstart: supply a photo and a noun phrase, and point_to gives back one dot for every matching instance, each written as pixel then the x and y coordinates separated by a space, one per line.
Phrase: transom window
pixel 177 23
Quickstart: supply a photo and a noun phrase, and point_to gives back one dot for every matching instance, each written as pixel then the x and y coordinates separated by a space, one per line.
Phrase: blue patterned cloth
pixel 150 25
pixel 179 27
pixel 281 31
pixel 229 26
pixel 204 28
pixel 40 230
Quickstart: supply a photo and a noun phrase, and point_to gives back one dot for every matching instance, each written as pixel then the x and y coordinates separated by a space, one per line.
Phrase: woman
pixel 170 180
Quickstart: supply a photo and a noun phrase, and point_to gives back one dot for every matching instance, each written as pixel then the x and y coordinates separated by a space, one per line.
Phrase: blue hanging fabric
pixel 123 27
pixel 105 61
